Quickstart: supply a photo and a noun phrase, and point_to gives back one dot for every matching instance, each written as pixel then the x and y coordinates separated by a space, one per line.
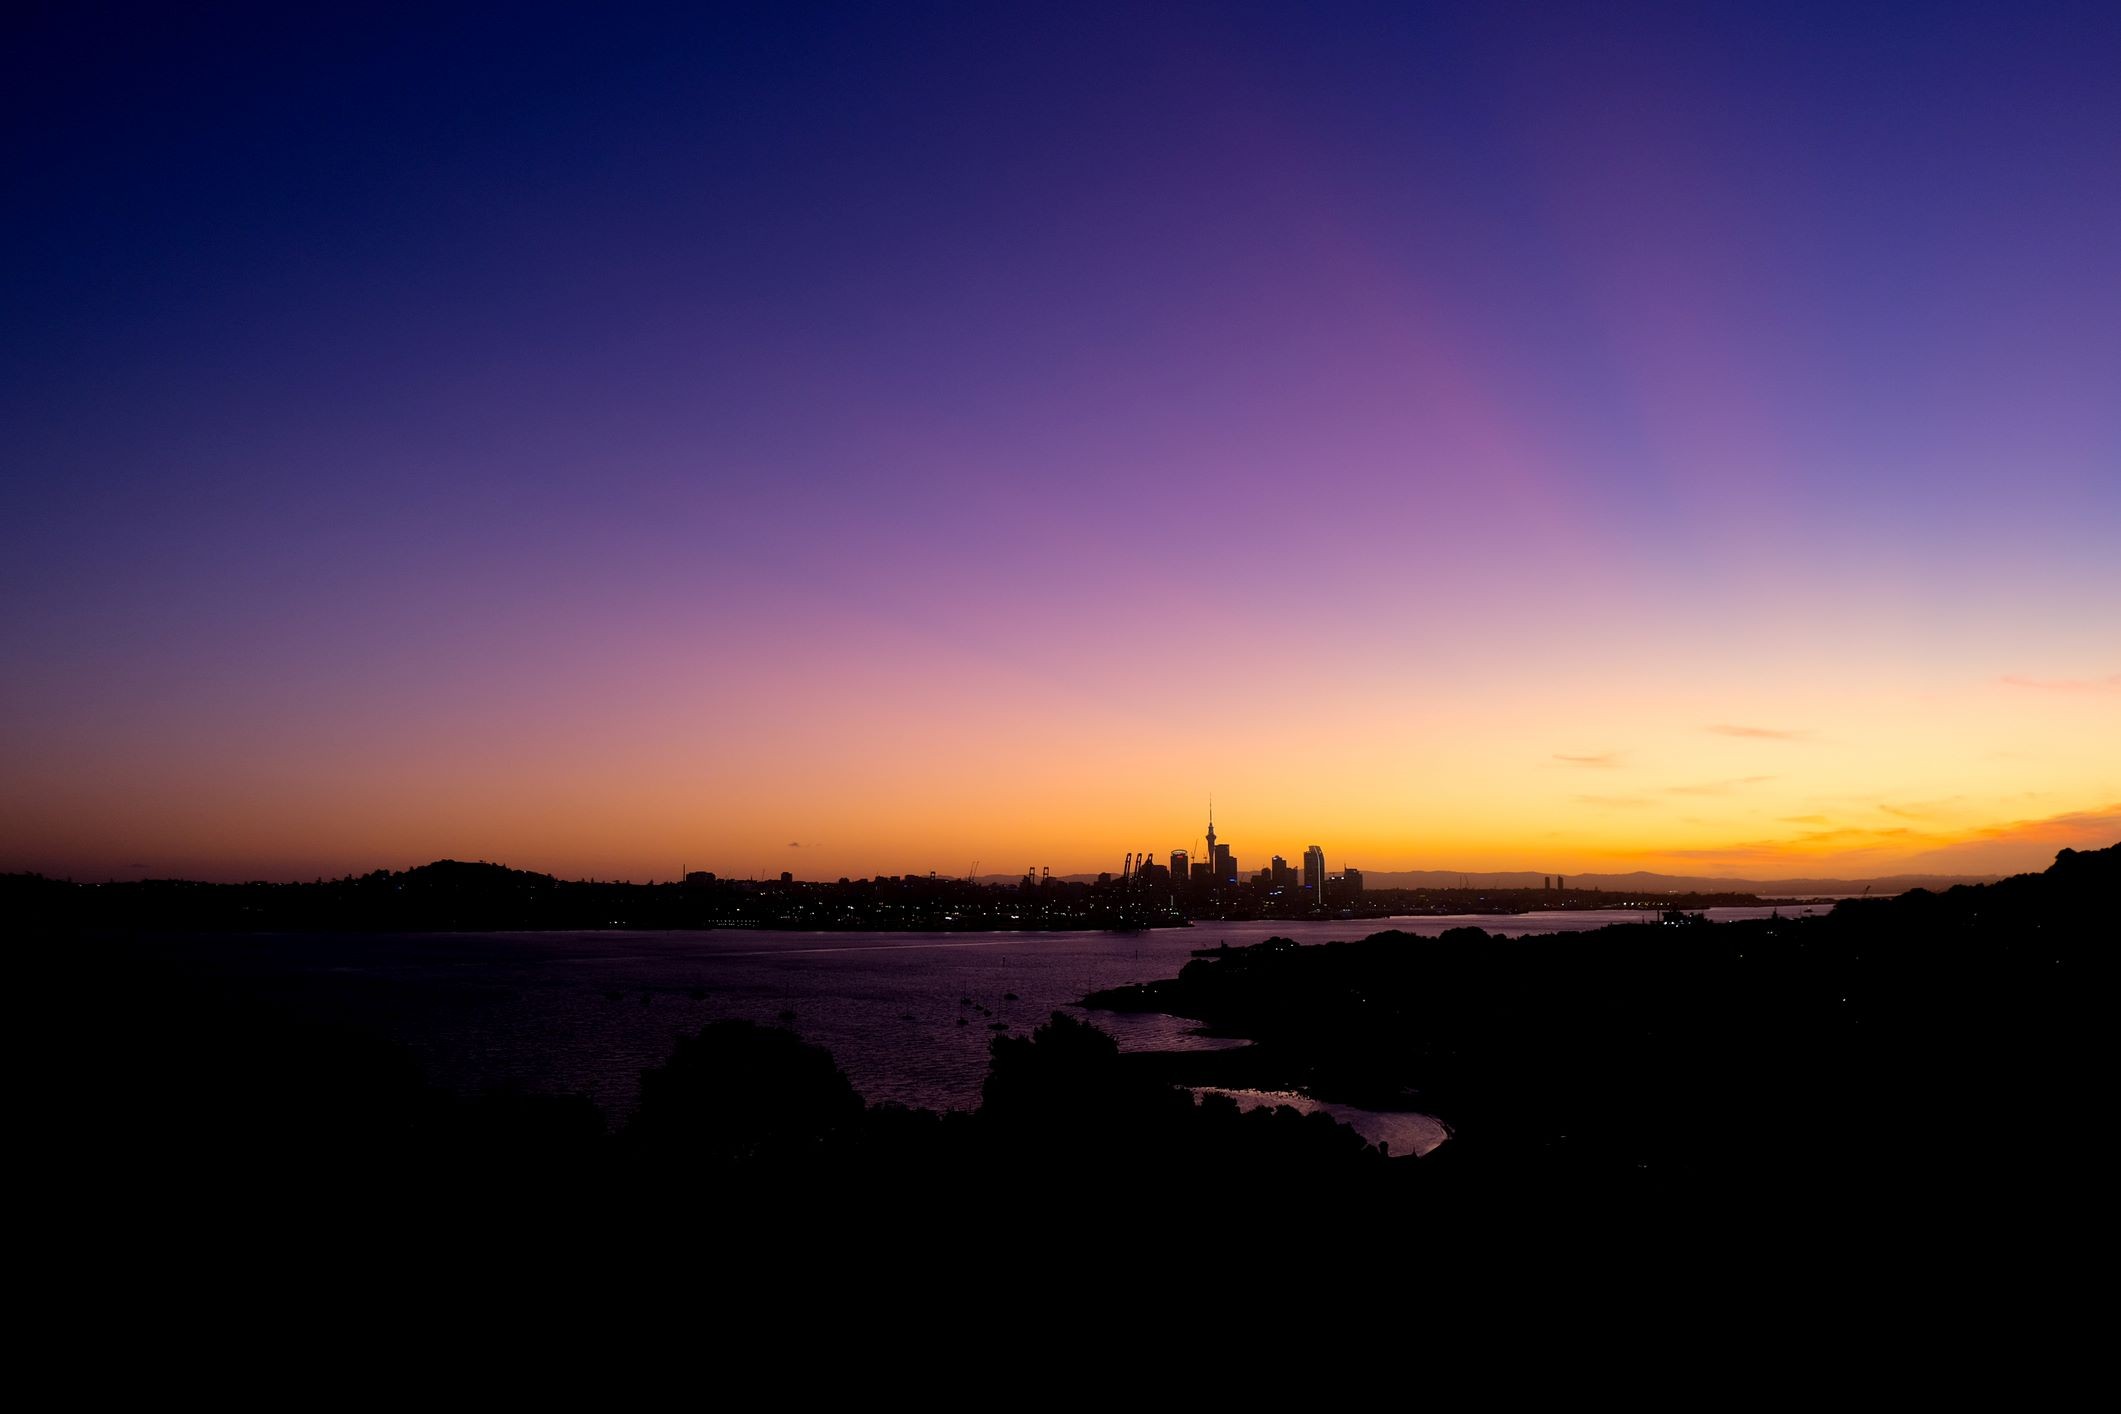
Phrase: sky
pixel 884 438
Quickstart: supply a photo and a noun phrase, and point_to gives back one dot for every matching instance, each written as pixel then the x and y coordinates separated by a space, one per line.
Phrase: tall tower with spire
pixel 1211 829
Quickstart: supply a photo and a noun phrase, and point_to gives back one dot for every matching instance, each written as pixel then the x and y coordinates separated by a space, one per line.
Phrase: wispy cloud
pixel 1758 733
pixel 2105 684
pixel 1845 840
pixel 1852 851
pixel 1717 787
pixel 1918 809
pixel 1601 758
pixel 2027 844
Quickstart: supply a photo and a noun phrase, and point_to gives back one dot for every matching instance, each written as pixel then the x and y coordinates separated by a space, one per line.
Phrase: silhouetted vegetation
pixel 207 1114
pixel 1888 1049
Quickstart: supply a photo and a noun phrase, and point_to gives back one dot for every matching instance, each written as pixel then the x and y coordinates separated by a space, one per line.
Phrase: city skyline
pixel 1679 438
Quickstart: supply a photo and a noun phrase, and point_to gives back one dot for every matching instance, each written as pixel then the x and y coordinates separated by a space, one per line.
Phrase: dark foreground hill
pixel 1876 1056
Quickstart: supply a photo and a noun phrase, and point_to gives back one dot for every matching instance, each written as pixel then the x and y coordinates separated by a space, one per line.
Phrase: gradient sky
pixel 880 438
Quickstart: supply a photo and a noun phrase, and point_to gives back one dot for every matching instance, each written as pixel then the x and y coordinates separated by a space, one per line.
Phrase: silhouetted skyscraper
pixel 1179 865
pixel 1315 873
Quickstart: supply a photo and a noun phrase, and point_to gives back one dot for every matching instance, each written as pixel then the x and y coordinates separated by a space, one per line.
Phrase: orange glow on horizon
pixel 1610 775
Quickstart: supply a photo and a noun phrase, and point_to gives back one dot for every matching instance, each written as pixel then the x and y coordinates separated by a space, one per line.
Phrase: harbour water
pixel 908 1016
pixel 1401 1131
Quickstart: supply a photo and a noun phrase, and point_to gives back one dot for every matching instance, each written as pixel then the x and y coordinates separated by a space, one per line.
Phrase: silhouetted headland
pixel 1850 1056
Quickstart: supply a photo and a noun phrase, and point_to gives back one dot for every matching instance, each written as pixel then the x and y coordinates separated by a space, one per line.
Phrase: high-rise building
pixel 1351 877
pixel 1280 871
pixel 1179 869
pixel 1559 882
pixel 1315 873
pixel 1225 865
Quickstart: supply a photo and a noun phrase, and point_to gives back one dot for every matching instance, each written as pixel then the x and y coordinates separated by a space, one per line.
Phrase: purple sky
pixel 932 431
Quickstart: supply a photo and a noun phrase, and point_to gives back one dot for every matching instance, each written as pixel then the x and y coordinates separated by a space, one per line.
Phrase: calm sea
pixel 907 1015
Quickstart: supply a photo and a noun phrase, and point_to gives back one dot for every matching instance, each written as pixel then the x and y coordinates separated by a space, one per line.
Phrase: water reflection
pixel 908 1016
pixel 1406 1131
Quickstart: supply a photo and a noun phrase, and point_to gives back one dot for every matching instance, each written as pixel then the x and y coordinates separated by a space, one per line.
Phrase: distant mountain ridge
pixel 1643 881
pixel 1638 881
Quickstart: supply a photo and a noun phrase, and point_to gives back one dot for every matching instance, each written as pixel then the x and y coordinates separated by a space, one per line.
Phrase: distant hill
pixel 1643 881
